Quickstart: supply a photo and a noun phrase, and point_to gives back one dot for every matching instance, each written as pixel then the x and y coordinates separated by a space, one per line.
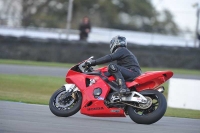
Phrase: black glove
pixel 90 63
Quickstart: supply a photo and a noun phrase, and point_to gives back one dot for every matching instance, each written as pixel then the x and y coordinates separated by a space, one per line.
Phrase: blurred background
pixel 149 23
pixel 159 21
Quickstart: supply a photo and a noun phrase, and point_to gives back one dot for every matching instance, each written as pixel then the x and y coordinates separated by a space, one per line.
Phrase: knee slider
pixel 112 68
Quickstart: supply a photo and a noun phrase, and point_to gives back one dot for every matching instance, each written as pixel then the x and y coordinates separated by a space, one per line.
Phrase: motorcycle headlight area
pixel 97 92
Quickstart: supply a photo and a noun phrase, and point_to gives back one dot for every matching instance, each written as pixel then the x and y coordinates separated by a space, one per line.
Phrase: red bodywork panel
pixel 150 80
pixel 92 106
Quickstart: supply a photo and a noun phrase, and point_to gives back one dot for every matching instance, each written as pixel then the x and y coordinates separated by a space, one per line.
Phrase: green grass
pixel 29 89
pixel 38 89
pixel 54 64
pixel 184 113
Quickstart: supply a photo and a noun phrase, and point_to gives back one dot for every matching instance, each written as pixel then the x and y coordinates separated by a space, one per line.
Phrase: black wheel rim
pixel 64 104
pixel 151 109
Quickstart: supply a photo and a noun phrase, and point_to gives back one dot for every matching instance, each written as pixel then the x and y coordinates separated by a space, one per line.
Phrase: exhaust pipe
pixel 160 89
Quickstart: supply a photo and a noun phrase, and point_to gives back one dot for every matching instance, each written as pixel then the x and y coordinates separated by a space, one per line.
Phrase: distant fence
pixel 99 35
pixel 40 32
pixel 56 50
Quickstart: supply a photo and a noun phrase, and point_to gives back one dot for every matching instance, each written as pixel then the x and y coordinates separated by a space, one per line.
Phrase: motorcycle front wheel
pixel 65 106
pixel 155 110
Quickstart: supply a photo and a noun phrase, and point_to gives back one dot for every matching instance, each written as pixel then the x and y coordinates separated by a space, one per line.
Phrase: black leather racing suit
pixel 127 64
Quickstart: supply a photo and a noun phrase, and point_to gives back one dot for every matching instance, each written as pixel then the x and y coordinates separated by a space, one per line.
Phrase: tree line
pixel 137 15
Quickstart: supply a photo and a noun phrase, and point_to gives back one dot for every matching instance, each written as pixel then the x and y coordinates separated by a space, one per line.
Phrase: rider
pixel 127 67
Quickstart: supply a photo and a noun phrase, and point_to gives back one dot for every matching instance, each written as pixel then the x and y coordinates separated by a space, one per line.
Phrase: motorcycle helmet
pixel 118 41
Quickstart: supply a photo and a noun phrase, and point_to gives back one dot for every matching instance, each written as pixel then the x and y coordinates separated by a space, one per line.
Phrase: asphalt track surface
pixel 30 118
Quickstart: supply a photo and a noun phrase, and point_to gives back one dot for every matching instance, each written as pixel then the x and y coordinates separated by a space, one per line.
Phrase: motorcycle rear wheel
pixel 153 113
pixel 65 108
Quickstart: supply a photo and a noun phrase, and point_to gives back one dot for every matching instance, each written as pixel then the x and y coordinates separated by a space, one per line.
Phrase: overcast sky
pixel 185 15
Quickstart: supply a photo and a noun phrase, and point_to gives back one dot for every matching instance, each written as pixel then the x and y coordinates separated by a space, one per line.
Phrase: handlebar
pixel 85 68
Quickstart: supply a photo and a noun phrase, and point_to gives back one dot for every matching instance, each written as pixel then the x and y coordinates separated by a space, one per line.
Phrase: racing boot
pixel 123 88
pixel 114 70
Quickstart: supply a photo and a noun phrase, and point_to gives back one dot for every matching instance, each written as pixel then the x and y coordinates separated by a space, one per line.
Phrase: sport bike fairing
pixel 95 106
pixel 92 106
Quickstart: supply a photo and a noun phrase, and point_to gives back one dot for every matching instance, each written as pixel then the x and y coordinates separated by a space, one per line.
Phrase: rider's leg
pixel 128 74
pixel 115 71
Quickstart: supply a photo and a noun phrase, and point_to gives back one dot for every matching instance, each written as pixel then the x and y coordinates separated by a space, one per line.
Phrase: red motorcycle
pixel 95 93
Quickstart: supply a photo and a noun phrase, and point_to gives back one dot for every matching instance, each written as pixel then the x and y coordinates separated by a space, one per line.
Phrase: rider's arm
pixel 108 58
pixel 104 59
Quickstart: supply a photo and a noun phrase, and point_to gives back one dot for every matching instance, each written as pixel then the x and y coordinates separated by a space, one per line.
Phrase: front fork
pixel 70 88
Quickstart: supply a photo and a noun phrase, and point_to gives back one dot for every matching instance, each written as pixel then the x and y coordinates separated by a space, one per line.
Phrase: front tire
pixel 65 108
pixel 153 113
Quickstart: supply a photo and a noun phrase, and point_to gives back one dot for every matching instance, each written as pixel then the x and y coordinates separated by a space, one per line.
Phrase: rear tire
pixel 67 107
pixel 152 114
